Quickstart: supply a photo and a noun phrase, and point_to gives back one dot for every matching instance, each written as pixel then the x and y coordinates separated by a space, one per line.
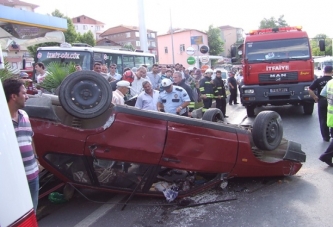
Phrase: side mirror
pixel 322 45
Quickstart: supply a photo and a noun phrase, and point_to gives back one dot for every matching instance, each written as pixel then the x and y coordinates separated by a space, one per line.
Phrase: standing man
pixel 239 79
pixel 118 95
pixel 41 73
pixel 318 85
pixel 136 86
pixel 78 67
pixel 173 99
pixel 16 96
pixel 97 67
pixel 155 77
pixel 232 88
pixel 207 89
pixel 177 79
pixel 147 100
pixel 114 75
pixel 219 93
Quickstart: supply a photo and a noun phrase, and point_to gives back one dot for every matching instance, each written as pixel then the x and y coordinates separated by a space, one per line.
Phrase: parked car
pixel 83 139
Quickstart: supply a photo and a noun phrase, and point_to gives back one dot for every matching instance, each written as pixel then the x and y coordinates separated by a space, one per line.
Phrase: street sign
pixel 190 50
pixel 204 59
pixel 204 49
pixel 191 60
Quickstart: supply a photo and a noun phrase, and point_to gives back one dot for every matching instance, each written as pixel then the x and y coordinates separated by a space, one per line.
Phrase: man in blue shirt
pixel 147 100
pixel 173 99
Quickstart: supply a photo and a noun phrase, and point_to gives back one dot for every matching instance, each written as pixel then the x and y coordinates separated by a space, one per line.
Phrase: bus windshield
pixel 278 50
pixel 82 58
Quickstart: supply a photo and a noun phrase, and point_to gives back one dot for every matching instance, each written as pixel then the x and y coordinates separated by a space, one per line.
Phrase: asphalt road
pixel 300 200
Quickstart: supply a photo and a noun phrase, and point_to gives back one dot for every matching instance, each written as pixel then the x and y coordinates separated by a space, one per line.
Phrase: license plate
pixel 278 89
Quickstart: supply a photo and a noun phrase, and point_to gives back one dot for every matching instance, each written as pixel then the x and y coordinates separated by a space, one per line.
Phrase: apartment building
pixel 19 5
pixel 230 36
pixel 84 24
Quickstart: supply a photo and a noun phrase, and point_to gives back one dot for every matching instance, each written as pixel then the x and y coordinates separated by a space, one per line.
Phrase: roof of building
pixel 183 30
pixel 85 18
pixel 121 29
pixel 13 3
pixel 106 39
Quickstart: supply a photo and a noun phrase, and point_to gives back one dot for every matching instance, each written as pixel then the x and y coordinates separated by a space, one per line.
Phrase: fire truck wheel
pixel 308 108
pixel 267 130
pixel 85 94
pixel 250 111
pixel 213 115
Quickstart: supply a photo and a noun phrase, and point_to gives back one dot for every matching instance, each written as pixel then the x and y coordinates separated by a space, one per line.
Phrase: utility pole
pixel 171 30
pixel 142 26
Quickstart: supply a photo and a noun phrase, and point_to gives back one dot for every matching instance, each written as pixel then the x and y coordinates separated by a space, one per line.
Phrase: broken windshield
pixel 278 50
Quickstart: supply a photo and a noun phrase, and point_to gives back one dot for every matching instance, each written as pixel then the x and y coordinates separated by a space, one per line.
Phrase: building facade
pixel 230 36
pixel 181 39
pixel 129 35
pixel 19 5
pixel 83 24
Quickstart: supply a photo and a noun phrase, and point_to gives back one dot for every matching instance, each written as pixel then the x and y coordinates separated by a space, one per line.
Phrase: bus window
pixel 119 63
pixel 128 62
pixel 82 58
pixel 98 57
pixel 139 61
pixel 149 61
pixel 112 59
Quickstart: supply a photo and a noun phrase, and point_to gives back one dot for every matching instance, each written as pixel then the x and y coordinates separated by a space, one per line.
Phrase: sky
pixel 315 17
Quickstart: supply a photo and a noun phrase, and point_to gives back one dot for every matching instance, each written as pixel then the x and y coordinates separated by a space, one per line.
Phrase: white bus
pixel 87 56
pixel 320 63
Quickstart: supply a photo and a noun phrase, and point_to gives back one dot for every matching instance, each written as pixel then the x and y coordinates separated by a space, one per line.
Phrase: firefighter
pixel 219 93
pixel 207 89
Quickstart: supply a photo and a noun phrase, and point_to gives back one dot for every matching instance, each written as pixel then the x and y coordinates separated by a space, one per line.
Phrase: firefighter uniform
pixel 207 88
pixel 219 90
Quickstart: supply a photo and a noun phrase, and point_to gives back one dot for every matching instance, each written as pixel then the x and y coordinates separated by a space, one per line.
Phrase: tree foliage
pixel 314 42
pixel 215 42
pixel 87 38
pixel 273 22
pixel 129 47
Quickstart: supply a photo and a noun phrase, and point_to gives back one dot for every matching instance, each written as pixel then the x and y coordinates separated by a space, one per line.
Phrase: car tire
pixel 308 108
pixel 267 131
pixel 85 94
pixel 250 111
pixel 213 115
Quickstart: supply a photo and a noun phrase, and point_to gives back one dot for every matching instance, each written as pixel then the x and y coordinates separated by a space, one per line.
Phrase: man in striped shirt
pixel 16 96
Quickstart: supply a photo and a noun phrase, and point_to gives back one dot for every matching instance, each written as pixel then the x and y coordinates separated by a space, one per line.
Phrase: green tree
pixel 70 34
pixel 215 42
pixel 273 23
pixel 87 38
pixel 314 42
pixel 129 47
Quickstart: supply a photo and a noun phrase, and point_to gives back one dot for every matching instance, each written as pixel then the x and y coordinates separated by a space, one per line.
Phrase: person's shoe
pixel 225 116
pixel 326 139
pixel 236 103
pixel 326 159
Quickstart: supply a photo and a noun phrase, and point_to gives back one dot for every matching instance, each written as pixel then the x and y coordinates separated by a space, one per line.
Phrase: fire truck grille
pixel 278 77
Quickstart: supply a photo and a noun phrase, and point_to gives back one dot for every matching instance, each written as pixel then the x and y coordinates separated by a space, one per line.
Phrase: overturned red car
pixel 83 139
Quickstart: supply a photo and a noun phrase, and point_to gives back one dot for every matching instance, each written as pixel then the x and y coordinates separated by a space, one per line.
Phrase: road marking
pixel 94 216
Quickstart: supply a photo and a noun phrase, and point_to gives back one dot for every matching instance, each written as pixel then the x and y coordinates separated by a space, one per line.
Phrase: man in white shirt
pixel 41 73
pixel 147 100
pixel 114 75
pixel 136 86
pixel 155 77
pixel 118 95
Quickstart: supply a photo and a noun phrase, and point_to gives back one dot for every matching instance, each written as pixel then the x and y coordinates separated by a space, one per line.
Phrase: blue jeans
pixel 34 191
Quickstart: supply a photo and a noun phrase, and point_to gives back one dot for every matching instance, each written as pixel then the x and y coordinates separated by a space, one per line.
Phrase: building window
pixel 137 43
pixel 153 44
pixel 98 28
pixel 182 47
pixel 78 19
pixel 85 27
pixel 166 50
pixel 152 35
pixel 137 34
pixel 128 34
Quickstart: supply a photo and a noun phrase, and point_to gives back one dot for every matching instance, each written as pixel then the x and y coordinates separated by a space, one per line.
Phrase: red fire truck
pixel 277 69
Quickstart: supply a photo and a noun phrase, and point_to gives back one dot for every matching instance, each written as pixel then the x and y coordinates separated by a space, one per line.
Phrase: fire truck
pixel 277 69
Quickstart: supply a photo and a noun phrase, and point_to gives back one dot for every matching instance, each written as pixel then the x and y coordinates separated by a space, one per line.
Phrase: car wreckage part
pixel 267 130
pixel 85 94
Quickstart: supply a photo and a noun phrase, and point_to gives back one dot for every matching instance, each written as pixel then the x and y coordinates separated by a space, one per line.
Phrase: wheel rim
pixel 86 94
pixel 272 131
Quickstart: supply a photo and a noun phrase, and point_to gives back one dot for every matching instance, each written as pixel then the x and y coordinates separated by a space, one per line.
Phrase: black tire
pixel 250 111
pixel 308 108
pixel 267 130
pixel 213 115
pixel 85 94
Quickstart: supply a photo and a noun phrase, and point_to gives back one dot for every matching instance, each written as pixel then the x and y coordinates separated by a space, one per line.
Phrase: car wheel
pixel 308 108
pixel 213 115
pixel 250 111
pixel 267 130
pixel 85 94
